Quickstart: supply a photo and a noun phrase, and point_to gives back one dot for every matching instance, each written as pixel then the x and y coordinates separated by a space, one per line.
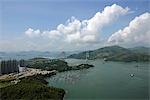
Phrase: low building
pixel 22 69
pixel 22 66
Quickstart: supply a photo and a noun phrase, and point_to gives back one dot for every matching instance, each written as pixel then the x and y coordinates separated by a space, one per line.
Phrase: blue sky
pixel 19 15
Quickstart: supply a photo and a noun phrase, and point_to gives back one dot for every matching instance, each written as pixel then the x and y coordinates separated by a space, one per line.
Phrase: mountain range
pixel 109 53
pixel 115 53
pixel 32 54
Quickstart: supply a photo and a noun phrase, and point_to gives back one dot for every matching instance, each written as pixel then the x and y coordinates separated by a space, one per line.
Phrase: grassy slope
pixel 5 84
pixel 31 88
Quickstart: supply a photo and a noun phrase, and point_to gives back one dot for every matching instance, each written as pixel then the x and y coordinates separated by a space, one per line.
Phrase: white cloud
pixel 138 32
pixel 86 31
pixel 32 33
pixel 53 34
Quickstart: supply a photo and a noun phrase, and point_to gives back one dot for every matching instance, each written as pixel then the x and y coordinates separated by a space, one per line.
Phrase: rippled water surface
pixel 107 80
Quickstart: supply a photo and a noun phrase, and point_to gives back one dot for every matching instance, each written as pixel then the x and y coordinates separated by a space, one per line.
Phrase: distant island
pixel 116 53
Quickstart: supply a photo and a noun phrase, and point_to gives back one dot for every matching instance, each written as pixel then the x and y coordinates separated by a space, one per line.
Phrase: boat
pixel 136 66
pixel 131 75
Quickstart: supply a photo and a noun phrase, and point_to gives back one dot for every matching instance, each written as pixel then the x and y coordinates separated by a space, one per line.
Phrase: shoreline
pixel 29 72
pixel 37 76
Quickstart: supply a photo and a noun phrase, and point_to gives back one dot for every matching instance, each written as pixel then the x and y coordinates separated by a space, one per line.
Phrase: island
pixel 80 66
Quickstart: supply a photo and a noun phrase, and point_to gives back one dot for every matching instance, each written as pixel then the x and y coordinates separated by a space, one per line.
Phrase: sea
pixel 105 81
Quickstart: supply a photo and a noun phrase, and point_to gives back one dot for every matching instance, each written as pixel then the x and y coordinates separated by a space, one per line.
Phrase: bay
pixel 105 81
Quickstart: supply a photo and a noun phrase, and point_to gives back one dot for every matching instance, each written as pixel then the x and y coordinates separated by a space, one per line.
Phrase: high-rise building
pixel 9 66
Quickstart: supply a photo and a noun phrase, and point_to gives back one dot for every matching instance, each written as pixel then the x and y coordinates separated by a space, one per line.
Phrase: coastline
pixel 38 77
pixel 27 73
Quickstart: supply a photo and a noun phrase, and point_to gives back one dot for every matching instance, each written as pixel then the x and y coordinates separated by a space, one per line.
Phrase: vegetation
pixel 48 64
pixel 130 57
pixel 81 66
pixel 31 88
pixel 54 64
pixel 141 50
pixel 5 84
pixel 115 53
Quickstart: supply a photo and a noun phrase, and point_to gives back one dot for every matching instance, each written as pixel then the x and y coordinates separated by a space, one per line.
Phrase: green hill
pixel 113 53
pixel 47 64
pixel 31 88
pixel 142 50
pixel 54 64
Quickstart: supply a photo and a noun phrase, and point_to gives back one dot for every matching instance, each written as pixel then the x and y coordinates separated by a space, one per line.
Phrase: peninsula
pixel 25 84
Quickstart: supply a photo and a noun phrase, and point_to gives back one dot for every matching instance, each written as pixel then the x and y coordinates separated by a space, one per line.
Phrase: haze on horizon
pixel 73 25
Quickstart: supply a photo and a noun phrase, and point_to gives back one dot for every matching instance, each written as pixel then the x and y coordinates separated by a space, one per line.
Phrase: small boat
pixel 136 66
pixel 131 75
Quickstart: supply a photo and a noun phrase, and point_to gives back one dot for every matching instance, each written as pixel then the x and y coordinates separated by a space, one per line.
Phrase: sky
pixel 69 25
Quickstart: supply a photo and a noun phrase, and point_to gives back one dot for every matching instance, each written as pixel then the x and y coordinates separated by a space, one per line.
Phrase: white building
pixel 22 69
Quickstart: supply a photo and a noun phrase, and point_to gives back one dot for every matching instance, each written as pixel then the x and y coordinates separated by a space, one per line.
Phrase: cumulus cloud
pixel 138 31
pixel 85 31
pixel 53 34
pixel 32 33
